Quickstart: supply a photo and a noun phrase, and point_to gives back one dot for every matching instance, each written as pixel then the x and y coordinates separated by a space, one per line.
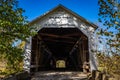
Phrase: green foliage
pixel 109 16
pixel 13 27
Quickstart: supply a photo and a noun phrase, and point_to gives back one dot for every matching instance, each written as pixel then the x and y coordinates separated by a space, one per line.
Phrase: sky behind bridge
pixel 85 8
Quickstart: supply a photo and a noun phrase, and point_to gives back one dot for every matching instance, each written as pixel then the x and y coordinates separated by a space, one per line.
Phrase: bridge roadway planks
pixel 68 75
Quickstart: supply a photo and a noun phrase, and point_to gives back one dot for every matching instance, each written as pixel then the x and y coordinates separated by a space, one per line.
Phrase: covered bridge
pixel 64 41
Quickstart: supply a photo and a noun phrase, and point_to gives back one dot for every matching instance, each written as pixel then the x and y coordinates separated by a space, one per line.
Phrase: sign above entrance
pixel 59 25
pixel 58 17
pixel 60 20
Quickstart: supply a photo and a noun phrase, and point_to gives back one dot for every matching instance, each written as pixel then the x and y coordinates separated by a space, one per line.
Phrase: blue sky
pixel 86 8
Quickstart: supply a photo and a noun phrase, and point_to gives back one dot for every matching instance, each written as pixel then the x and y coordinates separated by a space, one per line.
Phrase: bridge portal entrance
pixel 59 49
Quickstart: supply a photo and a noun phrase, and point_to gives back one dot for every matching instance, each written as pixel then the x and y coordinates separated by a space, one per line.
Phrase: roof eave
pixel 68 10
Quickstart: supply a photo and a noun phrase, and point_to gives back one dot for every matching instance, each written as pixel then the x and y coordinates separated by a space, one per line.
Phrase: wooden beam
pixel 57 36
pixel 63 41
pixel 44 46
pixel 75 46
pixel 73 34
pixel 76 34
pixel 39 38
pixel 48 51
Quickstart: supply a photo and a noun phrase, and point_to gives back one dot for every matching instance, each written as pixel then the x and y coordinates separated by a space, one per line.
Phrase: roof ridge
pixel 68 10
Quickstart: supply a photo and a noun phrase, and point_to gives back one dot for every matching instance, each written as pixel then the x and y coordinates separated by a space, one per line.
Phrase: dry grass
pixel 2 67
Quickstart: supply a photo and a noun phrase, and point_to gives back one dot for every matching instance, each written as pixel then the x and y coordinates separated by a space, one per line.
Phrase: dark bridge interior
pixel 59 49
